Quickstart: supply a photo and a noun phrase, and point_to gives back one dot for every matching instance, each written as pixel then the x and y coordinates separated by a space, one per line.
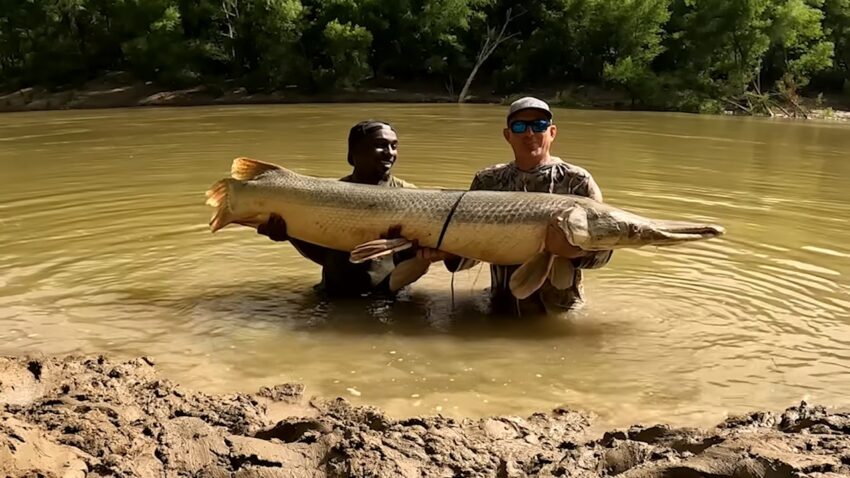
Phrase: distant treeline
pixel 692 55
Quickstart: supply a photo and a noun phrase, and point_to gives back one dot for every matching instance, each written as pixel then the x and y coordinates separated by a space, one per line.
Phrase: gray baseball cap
pixel 529 102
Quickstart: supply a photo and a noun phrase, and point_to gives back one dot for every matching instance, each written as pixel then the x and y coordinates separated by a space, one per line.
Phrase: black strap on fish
pixel 449 219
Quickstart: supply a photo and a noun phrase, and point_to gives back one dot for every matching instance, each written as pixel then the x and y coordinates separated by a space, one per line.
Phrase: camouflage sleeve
pixel 477 183
pixel 599 259
pixel 592 189
pixel 456 264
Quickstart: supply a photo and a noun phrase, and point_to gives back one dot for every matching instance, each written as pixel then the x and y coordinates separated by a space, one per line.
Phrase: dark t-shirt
pixel 341 277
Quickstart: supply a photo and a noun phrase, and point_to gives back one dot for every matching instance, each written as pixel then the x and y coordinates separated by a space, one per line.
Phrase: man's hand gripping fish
pixel 505 228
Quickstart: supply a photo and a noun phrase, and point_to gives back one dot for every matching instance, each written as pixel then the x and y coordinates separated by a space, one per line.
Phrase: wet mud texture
pixel 92 417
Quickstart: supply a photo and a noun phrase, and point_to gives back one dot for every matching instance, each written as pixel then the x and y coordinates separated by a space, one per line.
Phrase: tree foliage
pixel 679 54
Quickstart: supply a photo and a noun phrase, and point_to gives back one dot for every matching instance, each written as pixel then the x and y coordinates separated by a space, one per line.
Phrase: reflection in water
pixel 104 249
pixel 408 314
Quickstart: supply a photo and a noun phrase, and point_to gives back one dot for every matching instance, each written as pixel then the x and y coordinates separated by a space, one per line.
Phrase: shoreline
pixel 117 91
pixel 111 94
pixel 79 416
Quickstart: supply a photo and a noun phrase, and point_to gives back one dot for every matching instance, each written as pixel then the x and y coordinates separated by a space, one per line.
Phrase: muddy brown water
pixel 104 248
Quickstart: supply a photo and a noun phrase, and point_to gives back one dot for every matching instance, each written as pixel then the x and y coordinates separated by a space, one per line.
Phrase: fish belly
pixel 346 229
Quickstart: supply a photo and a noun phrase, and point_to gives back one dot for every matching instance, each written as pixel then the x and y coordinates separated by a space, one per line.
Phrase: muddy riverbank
pixel 120 90
pixel 92 416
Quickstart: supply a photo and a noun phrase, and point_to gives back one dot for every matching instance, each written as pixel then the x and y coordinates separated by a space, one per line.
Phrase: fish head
pixel 598 227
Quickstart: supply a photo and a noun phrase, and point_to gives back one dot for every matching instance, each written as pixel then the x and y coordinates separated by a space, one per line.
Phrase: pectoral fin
pixel 408 272
pixel 531 275
pixel 378 248
pixel 563 273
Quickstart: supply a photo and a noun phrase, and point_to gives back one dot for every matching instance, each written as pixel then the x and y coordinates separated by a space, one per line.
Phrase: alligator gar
pixel 497 227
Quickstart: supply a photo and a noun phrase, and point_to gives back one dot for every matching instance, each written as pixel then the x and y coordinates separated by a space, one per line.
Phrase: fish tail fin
pixel 244 169
pixel 218 196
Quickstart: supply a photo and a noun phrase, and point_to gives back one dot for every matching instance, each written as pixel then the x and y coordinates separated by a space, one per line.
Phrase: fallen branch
pixel 739 106
pixel 798 106
pixel 783 109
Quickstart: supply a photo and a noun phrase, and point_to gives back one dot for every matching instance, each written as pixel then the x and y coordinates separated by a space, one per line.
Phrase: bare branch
pixel 797 106
pixel 739 106
pixel 489 45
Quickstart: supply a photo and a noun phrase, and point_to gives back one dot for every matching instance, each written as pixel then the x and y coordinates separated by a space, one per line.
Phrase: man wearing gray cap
pixel 530 132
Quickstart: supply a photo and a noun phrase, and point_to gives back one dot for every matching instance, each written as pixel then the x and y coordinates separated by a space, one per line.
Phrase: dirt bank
pixel 91 416
pixel 121 90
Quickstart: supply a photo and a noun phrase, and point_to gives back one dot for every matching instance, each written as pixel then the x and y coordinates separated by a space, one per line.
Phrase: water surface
pixel 104 248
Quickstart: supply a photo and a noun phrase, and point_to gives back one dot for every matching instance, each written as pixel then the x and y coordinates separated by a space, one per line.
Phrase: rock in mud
pixel 95 417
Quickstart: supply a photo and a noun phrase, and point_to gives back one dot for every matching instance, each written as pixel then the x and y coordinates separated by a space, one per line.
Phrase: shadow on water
pixel 417 313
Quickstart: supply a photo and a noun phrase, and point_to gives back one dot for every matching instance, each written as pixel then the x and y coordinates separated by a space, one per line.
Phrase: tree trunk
pixel 462 97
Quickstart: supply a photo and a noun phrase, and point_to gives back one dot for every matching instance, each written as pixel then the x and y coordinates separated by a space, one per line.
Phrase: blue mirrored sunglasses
pixel 537 126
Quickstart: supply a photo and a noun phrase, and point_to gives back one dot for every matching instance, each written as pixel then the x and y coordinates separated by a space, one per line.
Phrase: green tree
pixel 694 55
pixel 155 48
pixel 579 40
pixel 264 45
pixel 798 45
pixel 411 39
pixel 347 47
pixel 639 26
pixel 53 42
pixel 715 47
pixel 837 26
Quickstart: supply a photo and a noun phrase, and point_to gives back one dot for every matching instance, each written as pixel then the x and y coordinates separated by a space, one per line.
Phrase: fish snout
pixel 663 233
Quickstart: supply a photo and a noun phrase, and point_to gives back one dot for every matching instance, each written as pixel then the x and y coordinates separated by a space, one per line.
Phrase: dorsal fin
pixel 244 169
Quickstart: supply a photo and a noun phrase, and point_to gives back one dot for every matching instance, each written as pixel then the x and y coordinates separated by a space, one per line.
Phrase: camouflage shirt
pixel 340 277
pixel 556 177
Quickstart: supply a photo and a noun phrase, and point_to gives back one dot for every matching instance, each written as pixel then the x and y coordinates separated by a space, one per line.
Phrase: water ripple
pixel 105 249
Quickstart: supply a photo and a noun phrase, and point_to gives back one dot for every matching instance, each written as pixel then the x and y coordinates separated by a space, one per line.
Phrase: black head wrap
pixel 360 131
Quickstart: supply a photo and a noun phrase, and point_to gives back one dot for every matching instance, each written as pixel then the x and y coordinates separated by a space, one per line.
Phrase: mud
pixel 121 90
pixel 92 417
